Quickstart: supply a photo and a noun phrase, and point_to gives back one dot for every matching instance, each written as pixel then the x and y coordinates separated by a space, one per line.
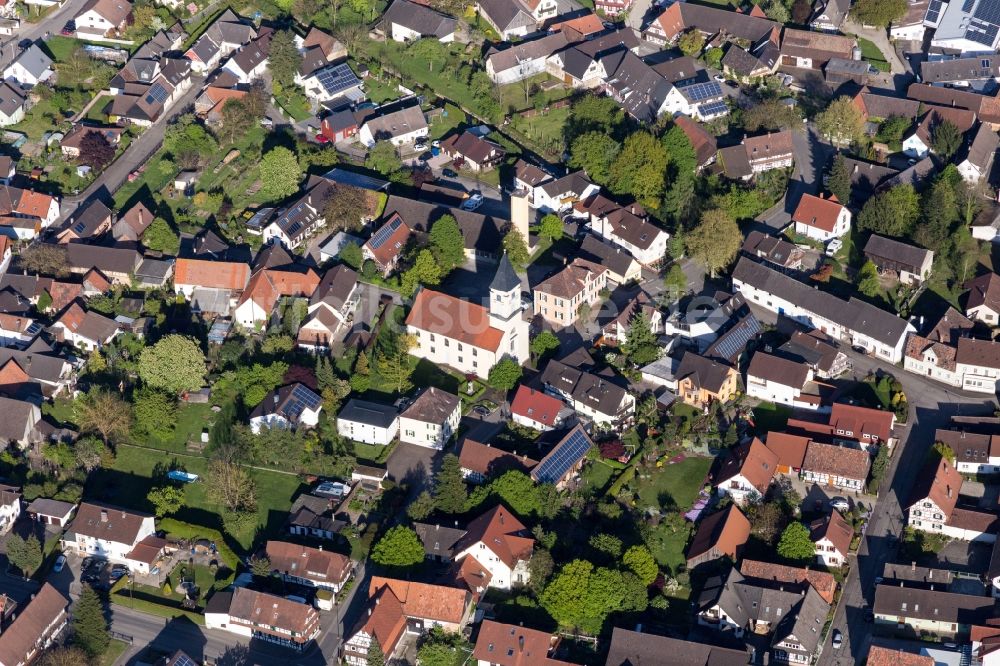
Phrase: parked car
pixel 473 202
pixel 833 247
pixel 838 639
pixel 68 29
pixel 322 138
pixel 840 504
pixel 448 173
pixel 420 147
pixel 60 563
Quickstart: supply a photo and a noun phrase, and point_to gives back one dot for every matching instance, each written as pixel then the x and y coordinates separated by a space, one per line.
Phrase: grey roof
pixel 438 541
pixel 633 648
pixel 848 67
pixel 919 576
pixel 835 10
pixel 533 49
pixel 359 180
pixel 42 367
pixel 336 287
pixel 34 60
pixel 153 270
pixel 506 14
pixel 961 69
pixel 505 278
pixel 371 413
pixel 85 221
pixel 640 89
pixel 420 18
pixel 917 175
pixel 706 373
pixel 983 148
pixel 398 122
pixel 866 177
pixel 855 315
pixel 900 253
pixel 935 605
pixel 18 417
pixel 611 257
pixel 50 507
pixel 433 405
pixel 481 232
pixel 106 259
pixel 10 99
pixel 595 391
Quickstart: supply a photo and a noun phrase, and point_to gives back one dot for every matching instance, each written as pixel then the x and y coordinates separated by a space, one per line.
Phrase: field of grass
pixel 115 650
pixel 544 130
pixel 674 487
pixel 191 418
pixel 130 478
pixel 873 55
pixel 597 475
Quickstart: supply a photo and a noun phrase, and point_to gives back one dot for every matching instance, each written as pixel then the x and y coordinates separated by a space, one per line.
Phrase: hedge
pixel 182 530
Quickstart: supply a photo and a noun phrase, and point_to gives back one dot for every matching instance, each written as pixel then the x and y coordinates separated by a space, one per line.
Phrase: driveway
pixel 881 40
pixel 413 465
pixel 637 14
pixel 812 155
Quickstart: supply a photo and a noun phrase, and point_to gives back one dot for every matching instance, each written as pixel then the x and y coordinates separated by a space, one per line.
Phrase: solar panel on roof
pixel 967 6
pixel 702 91
pixel 732 344
pixel 988 11
pixel 565 456
pixel 983 35
pixel 184 660
pixel 300 399
pixel 712 109
pixel 337 79
pixel 383 234
pixel 933 11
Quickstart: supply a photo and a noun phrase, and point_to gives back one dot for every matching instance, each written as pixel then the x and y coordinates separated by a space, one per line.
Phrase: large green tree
pixel 868 279
pixel 640 343
pixel 891 213
pixel 839 181
pixel 543 343
pixel 639 169
pixel 505 375
pixel 155 413
pixel 939 212
pixel 447 243
pixel 174 364
pixel 550 227
pixel 946 138
pixel 516 247
pixel 594 152
pixel 450 493
pixel 771 115
pixel 25 554
pixel 166 500
pixel 582 597
pixel 398 547
pixel 841 122
pixel 715 241
pixel 284 58
pixel 280 172
pixel 795 544
pixel 879 13
pixel 103 413
pixel 90 626
pixel 642 563
pixel 160 237
pixel 382 158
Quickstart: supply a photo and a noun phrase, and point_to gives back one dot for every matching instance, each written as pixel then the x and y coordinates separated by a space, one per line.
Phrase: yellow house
pixel 702 381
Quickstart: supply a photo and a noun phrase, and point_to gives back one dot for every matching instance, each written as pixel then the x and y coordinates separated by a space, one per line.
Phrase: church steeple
pixel 505 297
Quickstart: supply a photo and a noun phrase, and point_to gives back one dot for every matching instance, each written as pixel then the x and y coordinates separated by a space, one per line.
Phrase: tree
pixel 801 11
pixel 102 412
pixel 939 208
pixel 543 343
pixel 95 151
pixel 160 237
pixel 375 655
pixel 45 258
pixel 345 207
pixel 593 113
pixel 540 569
pixel 551 227
pixel 447 243
pixel 594 152
pixel 892 129
pixel 879 13
pixel 839 182
pixel 166 500
pixel 44 301
pixel 351 255
pixel 516 247
pixel 399 547
pixel 174 364
pixel 261 566
pixel 280 172
pixel 776 11
pixel 891 213
pixel 640 168
pixel 64 656
pixel 582 597
pixel 450 494
pixel 715 241
pixel 443 648
pixel 946 138
pixel 237 119
pixel 90 627
pixel 155 413
pixel 394 364
pixel 382 158
pixel 944 452
pixel 691 42
pixel 25 554
pixel 766 521
pixel 231 485
pixel 642 563
pixel 91 453
pixel 284 59
pixel 640 343
pixel 676 281
pixel 421 506
pixel 841 122
pixel 868 279
pixel 505 375
pixel 795 544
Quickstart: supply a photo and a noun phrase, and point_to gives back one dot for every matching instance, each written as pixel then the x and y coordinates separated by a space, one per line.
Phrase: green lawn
pixel 873 55
pixel 597 475
pixel 130 478
pixel 544 130
pixel 114 652
pixel 674 486
pixel 769 416
pixel 295 104
pixel 191 418
pixel 59 48
pixel 380 92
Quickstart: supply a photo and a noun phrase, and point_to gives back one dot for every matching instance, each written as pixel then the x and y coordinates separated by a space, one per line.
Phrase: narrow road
pixel 52 24
pixel 637 14
pixel 811 155
pixel 881 39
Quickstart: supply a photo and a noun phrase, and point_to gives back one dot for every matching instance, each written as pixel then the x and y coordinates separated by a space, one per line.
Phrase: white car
pixel 473 202
pixel 840 504
pixel 420 147
pixel 60 563
pixel 720 78
pixel 833 247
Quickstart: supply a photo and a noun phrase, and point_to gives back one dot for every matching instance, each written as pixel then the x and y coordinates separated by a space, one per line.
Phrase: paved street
pixel 812 155
pixel 52 24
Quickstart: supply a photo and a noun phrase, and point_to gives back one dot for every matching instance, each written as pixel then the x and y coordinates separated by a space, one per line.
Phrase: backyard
pixel 674 486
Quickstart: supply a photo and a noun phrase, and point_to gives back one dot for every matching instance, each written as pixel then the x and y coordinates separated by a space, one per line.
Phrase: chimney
pixel 913 566
pixel 520 643
pixel 104 516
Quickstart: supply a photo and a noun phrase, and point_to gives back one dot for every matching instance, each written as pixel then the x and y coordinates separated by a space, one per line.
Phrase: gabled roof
pixel 834 529
pixel 87 324
pixel 288 402
pixel 778 370
pixel 367 412
pixel 438 541
pixel 818 212
pixel 113 11
pixel 886 656
pixel 433 405
pixel 725 530
pixel 274 615
pixel 36 620
pixel 488 461
pixel 704 373
pixel 704 144
pixel 384 620
pixel 596 391
pixel 34 60
pixel 572 280
pixel 109 523
pixel 753 461
pixel 419 18
pixel 984 291
pixel 514 645
pixel 425 600
pixel 536 405
pixel 778 574
pixel 211 274
pixel 875 423
pixel 304 562
pixel 454 318
pixel 502 533
pixel 564 456
pixel 836 460
pixel 633 648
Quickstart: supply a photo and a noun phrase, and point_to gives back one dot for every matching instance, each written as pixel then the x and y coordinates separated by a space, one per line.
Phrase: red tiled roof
pixel 835 529
pixel 502 533
pixel 824 583
pixel 513 645
pixel 883 656
pixel 425 600
pixel 454 318
pixel 489 460
pixel 862 421
pixel 837 461
pixel 211 274
pixel 818 212
pixel 754 461
pixel 384 620
pixel 536 405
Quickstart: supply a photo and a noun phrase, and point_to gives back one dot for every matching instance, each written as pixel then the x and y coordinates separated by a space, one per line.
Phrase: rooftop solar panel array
pixel 184 660
pixel 300 399
pixel 702 91
pixel 712 109
pixel 383 234
pixel 567 454
pixel 732 344
pixel 337 79
pixel 157 93
pixel 985 22
pixel 967 6
pixel 933 12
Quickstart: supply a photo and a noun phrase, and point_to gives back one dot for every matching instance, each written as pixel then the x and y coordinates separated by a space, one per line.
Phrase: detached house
pixel 312 567
pixel 702 381
pixel 330 306
pixel 832 536
pixel 626 227
pixel 722 534
pixel 976 161
pixel 36 627
pixel 747 472
pixel 536 409
pixel 592 396
pixel 516 18
pixel 20 424
pixel 107 531
pixel 758 154
pixel 368 422
pixel 812 50
pixel 836 466
pixel 267 287
pixel 983 299
pixel 933 506
pixel 920 143
pixel 426 605
pixel 29 68
pixel 12 107
pixel 562 463
pixel 226 34
pixel 211 286
pixel 400 127
pixel 512 645
pixel 561 298
pixel 911 264
pixel 289 407
pixel 821 219
pixel 406 21
pixel 264 617
pixel 103 18
pixel 472 151
pixel 431 420
pixel 481 462
pixel 84 329
pixel 501 544
pixel 780 380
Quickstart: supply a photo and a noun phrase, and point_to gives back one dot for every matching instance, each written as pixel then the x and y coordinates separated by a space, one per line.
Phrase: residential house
pixel 523 60
pixel 331 305
pixel 562 194
pixel 829 15
pixel 517 18
pixel 24 213
pixel 248 62
pixel 317 41
pixel 211 286
pixel 368 422
pixel 340 125
pixel 747 472
pixel 975 161
pixel 267 286
pixel 501 544
pixel 87 222
pixel 383 622
pixel 821 219
pixel 17 330
pixel 627 227
pixel 722 534
pixel 758 154
pixel 20 423
pixel 511 645
pixel 386 244
pixel 853 321
pixel 467 336
pixel 920 143
pixel 832 536
pixel 12 107
pixel 289 407
pixel 426 605
pixel 108 532
pixel 866 179
pixel 761 58
pixel 933 506
pixel 472 151
pixel 629 648
pixel 772 250
pixel 593 396
pixel 313 516
pixel 617 330
pixel 70 144
pixel 619 266
pixel 335 81
pixel 933 353
pixel 10 507
pixel 944 615
pixel 983 299
pixel 439 542
pixel 119 264
pixel 817 351
pixel 790 449
pixel 31 67
pixel 406 21
pixel 8 169
pixel 976 446
pixel 708 20
pixel 537 410
pixel 561 298
pixel 431 420
pixel 704 143
pixel 562 463
pixel 879 655
pixel 263 617
pixel 295 224
pixel 781 380
pixel 212 101
pixel 812 50
pixel 131 224
pixel 46 374
pixel 51 512
pixel 481 462
pixel 226 34
pixel 702 381
pixel 311 567
pixel 768 574
pixel 401 127
pixel 836 466
pixel 36 627
pixel 969 72
pixel 964 27
pixel 103 18
pixel 910 264
pixel 84 329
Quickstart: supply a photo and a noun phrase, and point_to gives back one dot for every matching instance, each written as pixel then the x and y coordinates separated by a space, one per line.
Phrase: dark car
pixel 449 173
pixel 69 28
pixel 24 43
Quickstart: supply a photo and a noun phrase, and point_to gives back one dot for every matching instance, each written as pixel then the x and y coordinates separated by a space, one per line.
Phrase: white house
pixel 467 336
pixel 19 422
pixel 977 160
pixel 330 82
pixel 108 531
pixel 12 105
pixel 934 506
pixel 29 68
pixel 821 219
pixel 292 406
pixel 747 472
pixel 560 194
pixel 537 410
pixel 84 329
pixel 593 396
pixel 368 422
pixel 10 507
pixel 401 127
pixel 100 17
pixel 431 420
pixel 832 536
pixel 501 544
pixel 264 617
pixel 311 567
pixel 406 21
pixel 627 228
pixel 780 380
pixel 976 452
pixel 330 306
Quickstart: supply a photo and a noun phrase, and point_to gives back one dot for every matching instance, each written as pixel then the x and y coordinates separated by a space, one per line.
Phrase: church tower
pixel 505 295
